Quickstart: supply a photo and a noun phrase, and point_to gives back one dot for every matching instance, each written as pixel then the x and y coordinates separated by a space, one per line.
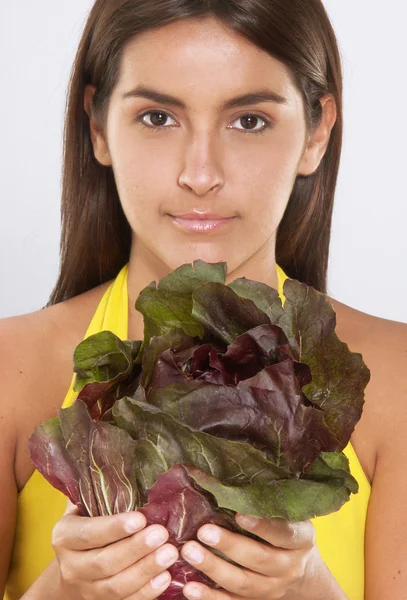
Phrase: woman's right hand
pixel 111 558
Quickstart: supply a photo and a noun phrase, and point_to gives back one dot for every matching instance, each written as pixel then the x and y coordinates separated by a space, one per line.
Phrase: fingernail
pixel 209 534
pixel 165 556
pixel 160 580
pixel 134 523
pixel 193 592
pixel 194 553
pixel 155 537
pixel 247 521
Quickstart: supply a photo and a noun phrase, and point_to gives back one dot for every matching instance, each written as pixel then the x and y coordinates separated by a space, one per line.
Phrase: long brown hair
pixel 96 237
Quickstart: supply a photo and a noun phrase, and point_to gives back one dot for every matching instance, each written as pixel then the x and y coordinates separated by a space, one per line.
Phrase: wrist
pixel 47 586
pixel 318 582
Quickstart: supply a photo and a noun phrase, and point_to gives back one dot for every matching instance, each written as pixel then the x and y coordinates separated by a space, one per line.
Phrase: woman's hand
pixel 111 558
pixel 281 568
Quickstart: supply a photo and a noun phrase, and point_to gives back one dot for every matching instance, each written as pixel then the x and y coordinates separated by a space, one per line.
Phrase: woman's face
pixel 239 161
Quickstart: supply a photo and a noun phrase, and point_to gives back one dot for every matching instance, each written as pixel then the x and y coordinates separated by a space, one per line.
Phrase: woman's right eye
pixel 156 121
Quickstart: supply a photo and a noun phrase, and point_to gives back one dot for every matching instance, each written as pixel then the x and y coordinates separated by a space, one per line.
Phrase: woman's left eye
pixel 250 120
pixel 157 123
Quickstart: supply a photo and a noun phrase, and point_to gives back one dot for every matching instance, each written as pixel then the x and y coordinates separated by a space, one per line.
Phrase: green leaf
pixel 238 475
pixel 224 313
pixel 292 499
pixel 163 442
pixel 169 305
pixel 263 296
pixel 339 376
pixel 103 357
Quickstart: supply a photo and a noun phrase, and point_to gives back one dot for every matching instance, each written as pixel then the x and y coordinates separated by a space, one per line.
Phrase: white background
pixel 367 268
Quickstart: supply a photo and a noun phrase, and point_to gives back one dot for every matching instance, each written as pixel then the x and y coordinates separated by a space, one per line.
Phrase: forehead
pixel 200 54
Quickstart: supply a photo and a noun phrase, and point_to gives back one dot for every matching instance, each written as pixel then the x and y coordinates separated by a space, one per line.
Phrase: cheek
pixel 267 179
pixel 143 179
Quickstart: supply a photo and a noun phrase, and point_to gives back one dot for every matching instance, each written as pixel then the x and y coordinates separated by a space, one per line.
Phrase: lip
pixel 198 216
pixel 201 224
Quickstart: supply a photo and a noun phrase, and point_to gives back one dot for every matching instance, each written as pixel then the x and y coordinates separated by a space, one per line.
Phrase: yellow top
pixel 340 535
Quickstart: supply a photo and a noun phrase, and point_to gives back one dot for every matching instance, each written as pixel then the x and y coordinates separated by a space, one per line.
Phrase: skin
pixel 202 154
pixel 99 559
pixel 203 159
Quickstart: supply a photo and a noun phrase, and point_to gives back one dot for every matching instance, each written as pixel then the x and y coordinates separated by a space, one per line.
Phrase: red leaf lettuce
pixel 231 403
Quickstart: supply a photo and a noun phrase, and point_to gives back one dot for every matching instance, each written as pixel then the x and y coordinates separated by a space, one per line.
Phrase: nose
pixel 202 170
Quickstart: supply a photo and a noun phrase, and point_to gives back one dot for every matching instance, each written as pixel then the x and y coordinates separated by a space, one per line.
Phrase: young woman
pixel 227 111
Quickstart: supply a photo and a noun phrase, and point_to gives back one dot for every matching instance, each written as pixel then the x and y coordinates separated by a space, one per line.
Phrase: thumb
pixel 71 509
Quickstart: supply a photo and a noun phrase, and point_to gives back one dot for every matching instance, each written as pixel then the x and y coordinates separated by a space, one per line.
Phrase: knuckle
pixel 112 589
pixel 147 570
pixel 56 541
pixel 82 534
pixel 243 585
pixel 276 590
pixel 226 595
pixel 293 531
pixel 135 550
pixel 279 595
pixel 101 564
pixel 209 566
pixel 57 537
pixel 148 593
pixel 312 534
pixel 297 570
pixel 264 560
pixel 66 572
pixel 306 530
pixel 281 563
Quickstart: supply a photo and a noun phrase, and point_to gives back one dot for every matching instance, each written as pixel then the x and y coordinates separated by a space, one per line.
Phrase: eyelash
pixel 267 123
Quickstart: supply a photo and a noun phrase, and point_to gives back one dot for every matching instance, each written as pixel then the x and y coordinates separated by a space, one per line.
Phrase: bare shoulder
pixel 380 442
pixel 36 352
pixel 33 345
pixel 361 326
pixel 383 345
pixel 35 370
pixel 383 342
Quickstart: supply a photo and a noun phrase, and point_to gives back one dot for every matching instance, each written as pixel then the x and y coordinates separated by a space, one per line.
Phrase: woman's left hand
pixel 276 569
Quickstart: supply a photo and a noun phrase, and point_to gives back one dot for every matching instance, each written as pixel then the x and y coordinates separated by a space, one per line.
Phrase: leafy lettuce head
pixel 231 403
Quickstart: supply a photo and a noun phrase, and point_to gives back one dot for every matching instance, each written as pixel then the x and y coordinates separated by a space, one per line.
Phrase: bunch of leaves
pixel 231 403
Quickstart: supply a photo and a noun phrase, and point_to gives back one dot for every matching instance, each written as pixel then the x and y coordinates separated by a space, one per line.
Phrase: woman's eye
pixel 252 121
pixel 158 119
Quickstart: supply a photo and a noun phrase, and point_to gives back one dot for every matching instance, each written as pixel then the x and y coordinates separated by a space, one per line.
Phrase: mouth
pixel 201 225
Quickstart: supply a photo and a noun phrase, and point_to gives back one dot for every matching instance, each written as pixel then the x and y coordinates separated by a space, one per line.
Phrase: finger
pixel 75 532
pixel 129 585
pixel 254 555
pixel 140 575
pixel 101 563
pixel 71 509
pixel 234 579
pixel 200 591
pixel 153 589
pixel 280 532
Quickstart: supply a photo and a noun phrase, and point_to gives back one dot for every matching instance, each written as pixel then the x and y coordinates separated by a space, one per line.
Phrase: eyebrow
pixel 262 95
